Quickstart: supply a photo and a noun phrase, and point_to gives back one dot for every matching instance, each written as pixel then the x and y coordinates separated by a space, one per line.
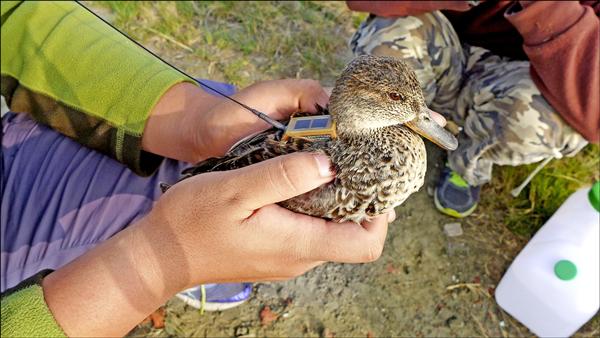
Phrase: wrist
pixel 158 253
pixel 113 287
pixel 172 126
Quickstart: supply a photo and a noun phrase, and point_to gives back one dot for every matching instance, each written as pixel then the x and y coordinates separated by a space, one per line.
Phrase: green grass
pixel 543 196
pixel 244 42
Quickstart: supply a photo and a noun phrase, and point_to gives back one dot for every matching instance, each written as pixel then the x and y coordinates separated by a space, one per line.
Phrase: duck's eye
pixel 395 96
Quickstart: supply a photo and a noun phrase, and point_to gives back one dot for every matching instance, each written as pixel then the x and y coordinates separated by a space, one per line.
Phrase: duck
pixel 378 155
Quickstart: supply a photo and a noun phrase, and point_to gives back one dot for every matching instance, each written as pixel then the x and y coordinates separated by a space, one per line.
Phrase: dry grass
pixel 242 42
pixel 546 192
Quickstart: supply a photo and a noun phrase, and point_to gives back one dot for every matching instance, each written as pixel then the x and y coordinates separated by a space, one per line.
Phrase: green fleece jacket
pixel 73 72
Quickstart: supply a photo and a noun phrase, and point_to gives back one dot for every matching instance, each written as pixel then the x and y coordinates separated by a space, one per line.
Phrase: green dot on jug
pixel 565 269
pixel 594 196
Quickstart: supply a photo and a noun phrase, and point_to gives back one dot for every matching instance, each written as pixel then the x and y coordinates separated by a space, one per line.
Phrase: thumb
pixel 281 178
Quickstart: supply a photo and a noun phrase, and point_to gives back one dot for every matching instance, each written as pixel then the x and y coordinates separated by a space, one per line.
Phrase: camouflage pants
pixel 505 119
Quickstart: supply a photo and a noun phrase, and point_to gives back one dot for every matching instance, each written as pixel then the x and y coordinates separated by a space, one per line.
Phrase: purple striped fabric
pixel 60 199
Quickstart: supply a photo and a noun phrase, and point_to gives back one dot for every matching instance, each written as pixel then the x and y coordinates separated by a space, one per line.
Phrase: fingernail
pixel 324 165
pixel 391 216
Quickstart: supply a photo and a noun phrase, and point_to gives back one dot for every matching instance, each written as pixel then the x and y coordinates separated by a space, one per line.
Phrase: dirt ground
pixel 425 284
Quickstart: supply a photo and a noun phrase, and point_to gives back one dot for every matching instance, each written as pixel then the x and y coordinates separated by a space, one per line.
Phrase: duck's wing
pixel 254 149
pixel 260 147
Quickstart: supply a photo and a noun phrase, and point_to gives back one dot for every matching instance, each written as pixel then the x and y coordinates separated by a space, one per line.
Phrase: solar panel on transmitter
pixel 319 127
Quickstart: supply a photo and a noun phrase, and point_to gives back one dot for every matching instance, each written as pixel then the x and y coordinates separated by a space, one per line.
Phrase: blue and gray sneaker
pixel 453 196
pixel 216 297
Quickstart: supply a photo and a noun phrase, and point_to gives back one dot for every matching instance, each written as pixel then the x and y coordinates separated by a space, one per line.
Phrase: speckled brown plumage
pixel 379 162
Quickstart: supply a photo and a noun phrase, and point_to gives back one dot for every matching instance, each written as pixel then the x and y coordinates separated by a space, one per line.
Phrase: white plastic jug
pixel 553 285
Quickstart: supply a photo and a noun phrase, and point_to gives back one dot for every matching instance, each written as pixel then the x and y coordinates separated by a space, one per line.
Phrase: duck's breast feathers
pixel 378 173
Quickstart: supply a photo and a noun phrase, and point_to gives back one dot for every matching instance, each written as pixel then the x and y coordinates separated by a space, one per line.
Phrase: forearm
pixel 110 289
pixel 173 124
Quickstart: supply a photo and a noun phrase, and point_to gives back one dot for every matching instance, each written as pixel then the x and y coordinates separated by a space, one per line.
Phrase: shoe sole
pixel 451 212
pixel 210 306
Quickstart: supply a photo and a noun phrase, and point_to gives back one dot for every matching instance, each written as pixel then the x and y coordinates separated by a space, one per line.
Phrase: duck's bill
pixel 426 126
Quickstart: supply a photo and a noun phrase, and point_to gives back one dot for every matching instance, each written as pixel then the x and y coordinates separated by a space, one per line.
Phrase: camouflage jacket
pixel 561 40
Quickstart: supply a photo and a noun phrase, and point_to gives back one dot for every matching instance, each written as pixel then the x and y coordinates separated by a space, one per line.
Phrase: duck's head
pixel 379 91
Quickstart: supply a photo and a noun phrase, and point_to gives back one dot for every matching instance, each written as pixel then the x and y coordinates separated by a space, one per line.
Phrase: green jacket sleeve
pixel 73 72
pixel 25 314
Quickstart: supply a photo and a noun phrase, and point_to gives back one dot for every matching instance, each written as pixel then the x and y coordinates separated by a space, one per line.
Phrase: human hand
pixel 191 125
pixel 228 122
pixel 224 226
pixel 215 227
